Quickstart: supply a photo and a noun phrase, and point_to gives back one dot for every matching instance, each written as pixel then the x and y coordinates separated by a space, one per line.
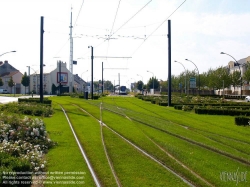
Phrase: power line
pixel 112 26
pixel 115 18
pixel 132 17
pixel 158 27
pixel 78 13
pixel 126 22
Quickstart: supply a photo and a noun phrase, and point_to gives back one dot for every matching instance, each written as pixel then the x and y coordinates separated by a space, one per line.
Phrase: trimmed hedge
pixel 242 120
pixel 163 104
pixel 216 111
pixel 35 100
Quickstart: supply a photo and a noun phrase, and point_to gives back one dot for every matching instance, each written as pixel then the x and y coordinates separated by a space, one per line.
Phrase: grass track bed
pixel 65 157
pixel 89 134
pixel 211 131
pixel 141 170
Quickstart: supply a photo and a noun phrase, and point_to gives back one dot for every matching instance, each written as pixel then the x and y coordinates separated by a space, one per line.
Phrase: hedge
pixel 242 120
pixel 35 100
pixel 216 111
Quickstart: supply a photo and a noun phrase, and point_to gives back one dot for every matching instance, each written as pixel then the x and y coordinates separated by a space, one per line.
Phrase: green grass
pixel 217 132
pixel 88 132
pixel 66 156
pixel 135 169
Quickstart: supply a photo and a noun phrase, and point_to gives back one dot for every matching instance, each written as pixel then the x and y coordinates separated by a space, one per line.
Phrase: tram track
pixel 91 169
pixel 142 151
pixel 114 109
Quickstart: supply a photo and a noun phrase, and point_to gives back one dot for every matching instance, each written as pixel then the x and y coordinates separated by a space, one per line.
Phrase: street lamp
pixel 237 64
pixel 185 75
pixel 153 81
pixel 92 59
pixel 82 79
pixel 141 79
pixel 8 52
pixel 198 72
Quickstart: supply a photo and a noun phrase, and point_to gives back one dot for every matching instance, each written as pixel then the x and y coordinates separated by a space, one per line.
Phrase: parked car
pixel 4 91
pixel 247 98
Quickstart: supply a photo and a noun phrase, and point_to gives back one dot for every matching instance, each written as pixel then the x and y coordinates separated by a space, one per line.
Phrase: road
pixel 5 100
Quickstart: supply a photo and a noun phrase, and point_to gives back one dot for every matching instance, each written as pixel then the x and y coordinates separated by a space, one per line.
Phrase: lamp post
pixel 198 73
pixel 141 79
pixel 14 89
pixel 185 75
pixel 134 84
pixel 36 77
pixel 237 64
pixel 153 81
pixel 29 77
pixel 82 78
pixel 92 59
pixel 8 52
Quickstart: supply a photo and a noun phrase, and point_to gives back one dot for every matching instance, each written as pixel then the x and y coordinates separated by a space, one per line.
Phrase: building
pixel 241 66
pixel 6 72
pixel 53 79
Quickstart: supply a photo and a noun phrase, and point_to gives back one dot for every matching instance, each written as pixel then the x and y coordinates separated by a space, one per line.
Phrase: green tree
pixel 236 79
pixel 246 76
pixel 11 83
pixel 25 81
pixel 139 85
pixel 1 82
pixel 108 85
pixel 153 82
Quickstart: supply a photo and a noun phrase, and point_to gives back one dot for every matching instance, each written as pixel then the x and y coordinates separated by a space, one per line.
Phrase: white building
pixel 51 81
pixel 232 66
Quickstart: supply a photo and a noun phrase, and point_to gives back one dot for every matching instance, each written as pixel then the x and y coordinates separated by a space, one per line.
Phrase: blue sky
pixel 201 29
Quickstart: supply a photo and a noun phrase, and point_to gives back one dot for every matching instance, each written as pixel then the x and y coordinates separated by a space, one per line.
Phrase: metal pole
pixel 169 62
pixel 60 91
pixel 239 69
pixel 185 76
pixel 41 61
pixel 92 72
pixel 198 73
pixel 29 77
pixel 119 83
pixel 71 56
pixel 102 78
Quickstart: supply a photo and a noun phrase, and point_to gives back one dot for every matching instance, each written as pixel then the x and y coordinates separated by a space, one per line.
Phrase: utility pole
pixel 29 77
pixel 41 61
pixel 169 62
pixel 92 71
pixel 71 56
pixel 119 82
pixel 60 92
pixel 102 79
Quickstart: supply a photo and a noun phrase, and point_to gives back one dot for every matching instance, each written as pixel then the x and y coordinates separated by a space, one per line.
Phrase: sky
pixel 200 29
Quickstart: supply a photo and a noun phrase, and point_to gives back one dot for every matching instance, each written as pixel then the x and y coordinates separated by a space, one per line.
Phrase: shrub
pixel 35 100
pixel 24 138
pixel 222 111
pixel 178 107
pixel 11 167
pixel 163 104
pixel 35 109
pixel 242 120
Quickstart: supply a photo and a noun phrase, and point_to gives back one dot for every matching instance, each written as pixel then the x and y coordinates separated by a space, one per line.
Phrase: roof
pixel 10 74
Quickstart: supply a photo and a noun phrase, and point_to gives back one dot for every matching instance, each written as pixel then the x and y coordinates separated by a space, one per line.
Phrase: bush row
pixel 35 100
pixel 242 120
pixel 217 111
pixel 33 109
